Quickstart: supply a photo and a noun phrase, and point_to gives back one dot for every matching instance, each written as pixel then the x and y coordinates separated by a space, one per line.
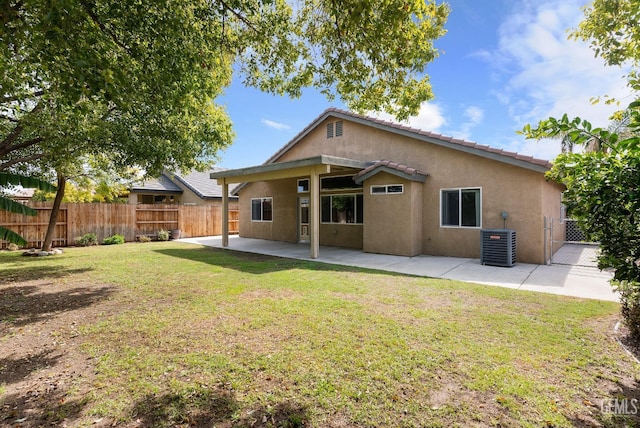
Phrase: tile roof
pixel 391 167
pixel 432 137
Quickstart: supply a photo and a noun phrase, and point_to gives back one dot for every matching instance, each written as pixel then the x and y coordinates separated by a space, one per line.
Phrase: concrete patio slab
pixel 575 281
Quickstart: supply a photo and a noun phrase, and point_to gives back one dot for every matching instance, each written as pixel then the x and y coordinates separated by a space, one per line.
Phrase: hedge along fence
pixel 131 221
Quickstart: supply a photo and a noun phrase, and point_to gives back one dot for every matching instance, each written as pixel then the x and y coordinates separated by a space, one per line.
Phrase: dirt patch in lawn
pixel 44 375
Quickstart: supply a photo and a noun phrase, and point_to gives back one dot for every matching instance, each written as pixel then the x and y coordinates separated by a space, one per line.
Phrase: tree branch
pixel 6 145
pixel 237 15
pixel 96 20
pixel 26 144
pixel 25 159
pixel 11 98
pixel 9 118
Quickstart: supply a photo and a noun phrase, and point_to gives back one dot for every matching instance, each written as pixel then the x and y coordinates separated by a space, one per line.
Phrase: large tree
pixel 137 81
pixel 603 181
pixel 153 70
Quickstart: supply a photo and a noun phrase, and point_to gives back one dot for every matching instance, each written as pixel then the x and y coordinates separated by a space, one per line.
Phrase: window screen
pixel 262 209
pixel 461 207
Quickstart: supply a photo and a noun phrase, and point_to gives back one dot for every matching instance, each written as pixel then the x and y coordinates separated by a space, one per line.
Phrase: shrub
pixel 163 235
pixel 630 305
pixel 144 238
pixel 114 239
pixel 87 240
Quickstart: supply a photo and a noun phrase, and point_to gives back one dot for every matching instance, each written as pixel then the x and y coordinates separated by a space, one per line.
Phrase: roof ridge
pixel 448 140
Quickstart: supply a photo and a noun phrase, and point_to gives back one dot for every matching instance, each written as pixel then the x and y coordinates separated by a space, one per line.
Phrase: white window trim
pixel 261 209
pixel 386 189
pixel 459 189
pixel 298 185
pixel 355 196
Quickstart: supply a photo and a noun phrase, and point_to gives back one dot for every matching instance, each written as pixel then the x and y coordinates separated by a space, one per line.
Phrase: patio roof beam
pixel 288 169
pixel 301 171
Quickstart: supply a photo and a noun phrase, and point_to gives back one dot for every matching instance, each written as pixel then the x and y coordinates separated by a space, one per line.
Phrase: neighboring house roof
pixel 22 194
pixel 198 182
pixel 501 155
pixel 162 184
pixel 201 184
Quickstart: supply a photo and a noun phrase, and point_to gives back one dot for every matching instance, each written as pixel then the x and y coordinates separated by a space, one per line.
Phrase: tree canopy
pixel 139 79
pixel 603 181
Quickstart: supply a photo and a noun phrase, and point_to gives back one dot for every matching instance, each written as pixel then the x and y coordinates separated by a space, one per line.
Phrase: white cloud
pixel 276 125
pixel 430 118
pixel 538 72
pixel 547 74
pixel 474 116
pixel 543 149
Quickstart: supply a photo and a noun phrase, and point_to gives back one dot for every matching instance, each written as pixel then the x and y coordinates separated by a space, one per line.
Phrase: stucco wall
pixel 523 193
pixel 393 222
pixel 283 227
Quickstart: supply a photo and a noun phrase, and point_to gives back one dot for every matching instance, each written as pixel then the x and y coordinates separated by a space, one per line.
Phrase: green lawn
pixel 197 336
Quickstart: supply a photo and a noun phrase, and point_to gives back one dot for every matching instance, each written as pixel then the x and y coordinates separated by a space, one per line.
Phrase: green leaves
pixel 603 182
pixel 612 27
pixel 6 204
pixel 371 54
pixel 11 236
pixel 7 179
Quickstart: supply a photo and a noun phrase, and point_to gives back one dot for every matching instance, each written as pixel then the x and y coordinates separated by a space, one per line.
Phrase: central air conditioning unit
pixel 498 247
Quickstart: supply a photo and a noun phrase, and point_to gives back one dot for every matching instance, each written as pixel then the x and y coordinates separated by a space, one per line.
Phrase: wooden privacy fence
pixel 131 221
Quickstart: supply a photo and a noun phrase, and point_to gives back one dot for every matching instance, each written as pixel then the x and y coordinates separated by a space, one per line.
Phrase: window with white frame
pixel 303 185
pixel 262 209
pixel 461 207
pixel 384 189
pixel 342 209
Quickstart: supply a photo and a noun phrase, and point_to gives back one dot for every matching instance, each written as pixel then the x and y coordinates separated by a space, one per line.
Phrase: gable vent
pixel 338 129
pixel 330 130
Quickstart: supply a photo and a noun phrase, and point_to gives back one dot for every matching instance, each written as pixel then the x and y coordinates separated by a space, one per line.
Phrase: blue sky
pixel 503 64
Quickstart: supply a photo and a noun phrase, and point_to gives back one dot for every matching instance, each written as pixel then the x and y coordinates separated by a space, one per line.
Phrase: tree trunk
pixel 51 229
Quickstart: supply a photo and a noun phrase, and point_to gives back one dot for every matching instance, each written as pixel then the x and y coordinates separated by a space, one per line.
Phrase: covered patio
pixel 312 168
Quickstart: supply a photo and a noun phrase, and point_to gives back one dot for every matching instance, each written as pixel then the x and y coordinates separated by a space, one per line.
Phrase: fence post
pixel 71 224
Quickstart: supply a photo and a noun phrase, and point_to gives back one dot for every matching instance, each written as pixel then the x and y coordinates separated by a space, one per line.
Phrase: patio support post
pixel 225 213
pixel 314 213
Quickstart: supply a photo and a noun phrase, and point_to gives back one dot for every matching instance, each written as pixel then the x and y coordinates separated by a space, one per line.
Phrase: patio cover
pixel 309 167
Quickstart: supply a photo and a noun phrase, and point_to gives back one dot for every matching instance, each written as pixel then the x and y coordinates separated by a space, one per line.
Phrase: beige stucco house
pixel 193 188
pixel 352 181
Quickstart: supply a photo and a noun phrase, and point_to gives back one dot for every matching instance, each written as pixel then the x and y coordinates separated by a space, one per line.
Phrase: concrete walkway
pixel 574 281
